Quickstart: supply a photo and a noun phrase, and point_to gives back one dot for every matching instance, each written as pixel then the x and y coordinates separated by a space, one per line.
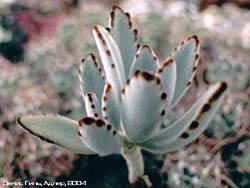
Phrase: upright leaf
pixel 111 57
pixel 92 105
pixel 111 106
pixel 145 60
pixel 167 73
pixel 126 38
pixel 142 106
pixel 91 76
pixel 186 58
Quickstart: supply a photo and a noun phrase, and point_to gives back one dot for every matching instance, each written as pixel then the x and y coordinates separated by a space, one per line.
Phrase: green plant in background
pixel 127 103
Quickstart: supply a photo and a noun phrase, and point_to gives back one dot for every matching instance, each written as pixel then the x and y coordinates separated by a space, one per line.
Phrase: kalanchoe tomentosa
pixel 128 101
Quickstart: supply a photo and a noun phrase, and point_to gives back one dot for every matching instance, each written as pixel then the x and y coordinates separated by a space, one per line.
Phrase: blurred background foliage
pixel 42 42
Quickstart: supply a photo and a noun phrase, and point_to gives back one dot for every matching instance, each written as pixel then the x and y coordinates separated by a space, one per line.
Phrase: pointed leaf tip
pixel 55 129
pixel 190 125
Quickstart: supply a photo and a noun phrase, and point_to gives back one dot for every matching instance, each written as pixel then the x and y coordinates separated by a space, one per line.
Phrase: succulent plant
pixel 127 103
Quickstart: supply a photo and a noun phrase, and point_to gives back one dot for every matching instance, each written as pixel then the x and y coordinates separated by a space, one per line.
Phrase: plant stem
pixel 134 160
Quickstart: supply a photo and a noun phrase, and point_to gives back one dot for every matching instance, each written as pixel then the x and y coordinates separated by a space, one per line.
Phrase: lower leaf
pixel 55 129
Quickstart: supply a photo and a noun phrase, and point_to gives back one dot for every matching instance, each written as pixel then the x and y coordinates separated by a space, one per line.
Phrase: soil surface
pixel 111 172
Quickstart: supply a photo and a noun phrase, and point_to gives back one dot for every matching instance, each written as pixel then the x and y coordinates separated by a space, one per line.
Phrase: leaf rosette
pixel 127 97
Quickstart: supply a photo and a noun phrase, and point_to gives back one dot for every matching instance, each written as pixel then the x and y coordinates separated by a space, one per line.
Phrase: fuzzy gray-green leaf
pixel 142 106
pixel 92 105
pixel 145 60
pixel 99 135
pixel 111 106
pixel 126 38
pixel 91 76
pixel 110 56
pixel 190 125
pixel 55 129
pixel 167 73
pixel 186 58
